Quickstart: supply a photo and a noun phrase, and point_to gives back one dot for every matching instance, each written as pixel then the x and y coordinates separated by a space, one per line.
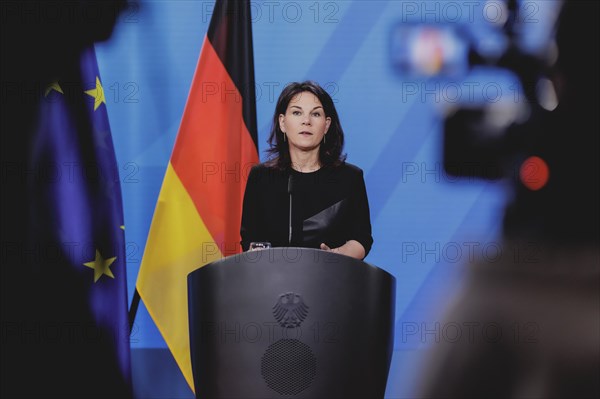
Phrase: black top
pixel 328 206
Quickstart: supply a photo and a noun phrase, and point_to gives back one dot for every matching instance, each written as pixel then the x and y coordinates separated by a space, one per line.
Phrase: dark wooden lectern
pixel 291 323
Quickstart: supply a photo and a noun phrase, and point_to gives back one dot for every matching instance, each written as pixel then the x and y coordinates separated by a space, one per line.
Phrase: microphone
pixel 290 191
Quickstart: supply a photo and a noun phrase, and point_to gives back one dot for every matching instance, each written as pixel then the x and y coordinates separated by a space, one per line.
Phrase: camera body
pixel 543 141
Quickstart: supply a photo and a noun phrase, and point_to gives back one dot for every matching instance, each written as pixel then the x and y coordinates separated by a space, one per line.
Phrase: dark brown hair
pixel 330 151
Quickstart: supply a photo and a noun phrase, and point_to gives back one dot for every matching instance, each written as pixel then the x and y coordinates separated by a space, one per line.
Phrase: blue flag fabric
pixel 78 203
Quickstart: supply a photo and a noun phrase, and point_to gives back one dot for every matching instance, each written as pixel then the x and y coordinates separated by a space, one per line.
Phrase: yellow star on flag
pixel 97 93
pixel 101 266
pixel 53 86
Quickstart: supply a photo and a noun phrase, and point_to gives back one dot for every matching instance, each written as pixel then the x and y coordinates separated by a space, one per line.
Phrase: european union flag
pixel 78 204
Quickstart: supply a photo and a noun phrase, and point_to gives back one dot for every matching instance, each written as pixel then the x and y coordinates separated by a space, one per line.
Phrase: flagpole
pixel 135 303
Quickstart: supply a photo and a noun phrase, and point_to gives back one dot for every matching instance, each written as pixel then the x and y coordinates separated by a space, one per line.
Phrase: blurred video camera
pixel 481 137
pixel 521 137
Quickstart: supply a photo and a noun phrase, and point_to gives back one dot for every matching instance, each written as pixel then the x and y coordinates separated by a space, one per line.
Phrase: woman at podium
pixel 306 194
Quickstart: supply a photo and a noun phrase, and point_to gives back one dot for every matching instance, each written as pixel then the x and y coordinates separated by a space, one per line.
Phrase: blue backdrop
pixel 425 223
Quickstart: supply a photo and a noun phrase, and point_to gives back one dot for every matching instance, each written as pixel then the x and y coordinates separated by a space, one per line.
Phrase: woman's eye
pixel 296 113
pixel 316 114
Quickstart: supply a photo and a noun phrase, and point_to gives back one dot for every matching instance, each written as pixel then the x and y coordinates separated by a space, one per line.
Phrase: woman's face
pixel 304 122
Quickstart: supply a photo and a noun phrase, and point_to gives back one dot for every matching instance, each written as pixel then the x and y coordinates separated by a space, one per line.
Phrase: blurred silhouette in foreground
pixel 530 321
pixel 52 345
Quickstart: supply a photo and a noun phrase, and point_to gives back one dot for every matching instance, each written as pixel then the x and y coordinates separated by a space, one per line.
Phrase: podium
pixel 290 323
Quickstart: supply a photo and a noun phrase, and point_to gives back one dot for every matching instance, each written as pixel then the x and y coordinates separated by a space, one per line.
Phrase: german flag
pixel 197 217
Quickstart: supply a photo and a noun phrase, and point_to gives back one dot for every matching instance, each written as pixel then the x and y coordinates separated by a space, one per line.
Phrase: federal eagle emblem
pixel 290 310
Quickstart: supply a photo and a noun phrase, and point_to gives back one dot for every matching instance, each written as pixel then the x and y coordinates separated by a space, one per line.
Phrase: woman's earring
pixel 324 137
pixel 284 137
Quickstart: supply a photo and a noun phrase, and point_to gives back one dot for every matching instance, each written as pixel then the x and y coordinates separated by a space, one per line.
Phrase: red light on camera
pixel 534 173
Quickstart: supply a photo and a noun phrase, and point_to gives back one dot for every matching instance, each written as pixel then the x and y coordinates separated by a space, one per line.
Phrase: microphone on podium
pixel 290 191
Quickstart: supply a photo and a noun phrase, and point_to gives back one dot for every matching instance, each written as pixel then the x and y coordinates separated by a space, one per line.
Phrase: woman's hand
pixel 324 247
pixel 351 248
